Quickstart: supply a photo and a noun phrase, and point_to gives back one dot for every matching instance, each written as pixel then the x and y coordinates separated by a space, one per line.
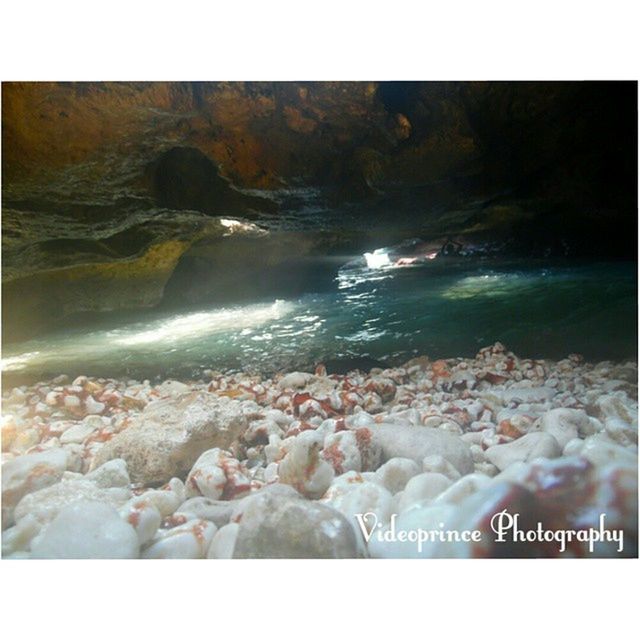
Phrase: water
pixel 441 309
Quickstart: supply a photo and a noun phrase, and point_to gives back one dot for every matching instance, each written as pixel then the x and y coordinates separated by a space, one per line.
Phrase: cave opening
pixel 185 178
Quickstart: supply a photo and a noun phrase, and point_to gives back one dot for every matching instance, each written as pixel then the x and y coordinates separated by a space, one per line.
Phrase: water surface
pixel 445 308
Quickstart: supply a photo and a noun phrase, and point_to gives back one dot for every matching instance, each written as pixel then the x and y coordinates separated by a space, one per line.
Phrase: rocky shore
pixel 324 466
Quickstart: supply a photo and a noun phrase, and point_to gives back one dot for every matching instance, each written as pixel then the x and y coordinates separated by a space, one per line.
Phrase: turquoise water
pixel 442 309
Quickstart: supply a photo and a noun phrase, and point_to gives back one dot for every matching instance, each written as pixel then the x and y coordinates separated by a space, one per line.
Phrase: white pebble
pixel 190 540
pixel 87 530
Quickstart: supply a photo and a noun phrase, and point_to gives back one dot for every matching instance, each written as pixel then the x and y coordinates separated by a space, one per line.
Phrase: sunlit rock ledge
pixel 54 267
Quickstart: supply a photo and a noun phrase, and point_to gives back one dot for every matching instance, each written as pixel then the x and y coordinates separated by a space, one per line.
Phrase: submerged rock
pixel 416 443
pixel 111 474
pixel 143 516
pixel 87 530
pixel 45 505
pixel 29 473
pixel 341 450
pixel 565 424
pixel 166 499
pixel 304 469
pixel 462 488
pixel 362 498
pixel 295 380
pixel 207 476
pixel 165 440
pixel 278 523
pixel 223 543
pixel 528 447
pixel 18 538
pixel 217 511
pixel 422 489
pixel 217 474
pixel 437 464
pixel 190 541
pixel 396 472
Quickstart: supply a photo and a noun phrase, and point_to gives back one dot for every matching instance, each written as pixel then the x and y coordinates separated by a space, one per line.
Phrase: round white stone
pixel 87 530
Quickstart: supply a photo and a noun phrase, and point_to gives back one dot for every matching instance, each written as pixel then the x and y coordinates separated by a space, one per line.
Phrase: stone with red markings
pixel 615 494
pixel 207 478
pixel 217 511
pixel 189 541
pixel 143 516
pixel 342 452
pixel 369 447
pixel 167 498
pixel 383 387
pixel 29 473
pixel 303 467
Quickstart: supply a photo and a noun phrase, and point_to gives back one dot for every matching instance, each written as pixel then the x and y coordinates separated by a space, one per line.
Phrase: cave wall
pixel 263 134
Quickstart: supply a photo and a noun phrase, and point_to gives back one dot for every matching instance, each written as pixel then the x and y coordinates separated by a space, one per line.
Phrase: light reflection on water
pixel 192 326
pixel 387 314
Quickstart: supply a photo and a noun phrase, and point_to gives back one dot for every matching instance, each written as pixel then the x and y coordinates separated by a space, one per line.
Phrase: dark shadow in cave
pixel 184 178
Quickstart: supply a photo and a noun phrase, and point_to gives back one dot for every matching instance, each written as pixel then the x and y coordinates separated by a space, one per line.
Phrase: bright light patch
pixel 486 286
pixel 378 259
pixel 17 363
pixel 195 325
pixel 236 226
pixel 168 334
